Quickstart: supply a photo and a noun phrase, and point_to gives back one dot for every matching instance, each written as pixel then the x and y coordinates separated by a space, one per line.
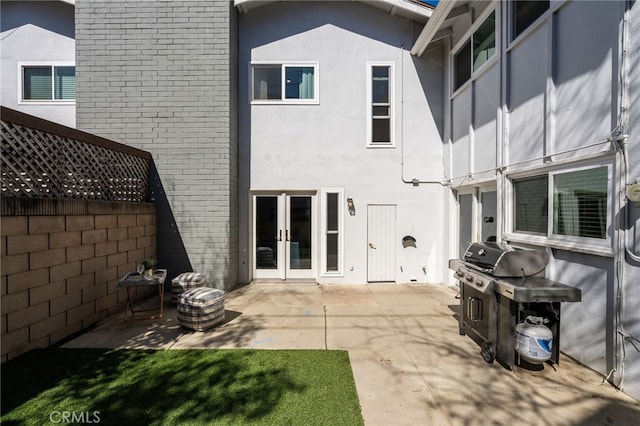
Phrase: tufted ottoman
pixel 201 308
pixel 186 281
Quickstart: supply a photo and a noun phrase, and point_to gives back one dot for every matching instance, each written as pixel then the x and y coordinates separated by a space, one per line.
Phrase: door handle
pixel 372 246
pixel 280 235
pixel 287 235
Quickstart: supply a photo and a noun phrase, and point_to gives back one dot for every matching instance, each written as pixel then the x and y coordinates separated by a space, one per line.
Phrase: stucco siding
pixel 36 33
pixel 324 145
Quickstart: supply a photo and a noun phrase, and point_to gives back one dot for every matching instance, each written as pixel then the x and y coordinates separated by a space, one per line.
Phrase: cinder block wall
pixel 162 76
pixel 59 272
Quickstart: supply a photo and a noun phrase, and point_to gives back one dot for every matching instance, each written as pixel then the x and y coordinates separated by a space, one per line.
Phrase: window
pixel 286 83
pixel 332 225
pixel 525 13
pixel 484 41
pixel 531 204
pixel 579 203
pixel 380 105
pixel 463 65
pixel 476 51
pixel 48 83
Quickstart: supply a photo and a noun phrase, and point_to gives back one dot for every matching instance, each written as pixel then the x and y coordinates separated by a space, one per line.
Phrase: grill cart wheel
pixel 488 352
pixel 462 331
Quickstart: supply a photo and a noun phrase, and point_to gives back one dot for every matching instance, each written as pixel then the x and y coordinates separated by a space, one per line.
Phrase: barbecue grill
pixel 506 304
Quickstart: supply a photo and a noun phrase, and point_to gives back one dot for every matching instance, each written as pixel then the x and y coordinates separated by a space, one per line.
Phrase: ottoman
pixel 186 281
pixel 201 308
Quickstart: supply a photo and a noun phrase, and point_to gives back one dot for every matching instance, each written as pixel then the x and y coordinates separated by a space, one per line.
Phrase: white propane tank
pixel 534 340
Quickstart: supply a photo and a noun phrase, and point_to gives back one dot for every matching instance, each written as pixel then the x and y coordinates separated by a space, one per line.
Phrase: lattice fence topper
pixel 39 164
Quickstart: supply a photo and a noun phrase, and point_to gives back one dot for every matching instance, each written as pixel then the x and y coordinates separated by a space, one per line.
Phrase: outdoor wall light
pixel 351 206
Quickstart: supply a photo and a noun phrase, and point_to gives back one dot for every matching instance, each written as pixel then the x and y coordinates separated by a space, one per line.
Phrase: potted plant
pixel 149 265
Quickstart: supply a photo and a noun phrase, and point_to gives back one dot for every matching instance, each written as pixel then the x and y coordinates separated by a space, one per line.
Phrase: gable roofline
pixel 435 23
pixel 411 9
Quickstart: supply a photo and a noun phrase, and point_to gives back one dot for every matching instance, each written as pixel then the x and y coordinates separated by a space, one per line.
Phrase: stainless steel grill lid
pixel 503 260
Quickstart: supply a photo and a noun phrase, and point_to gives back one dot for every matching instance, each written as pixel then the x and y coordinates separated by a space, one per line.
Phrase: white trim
pixel 323 232
pixel 468 37
pixel 596 246
pixel 369 112
pixel 282 101
pixel 51 101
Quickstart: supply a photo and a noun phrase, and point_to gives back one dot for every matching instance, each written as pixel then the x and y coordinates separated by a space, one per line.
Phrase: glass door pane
pixel 267 232
pixel 300 230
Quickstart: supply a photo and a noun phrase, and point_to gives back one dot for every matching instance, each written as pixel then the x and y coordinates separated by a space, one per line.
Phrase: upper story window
pixel 48 83
pixel 380 105
pixel 284 83
pixel 476 51
pixel 568 205
pixel 525 13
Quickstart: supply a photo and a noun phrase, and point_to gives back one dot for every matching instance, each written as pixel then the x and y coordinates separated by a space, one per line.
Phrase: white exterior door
pixel 284 236
pixel 381 245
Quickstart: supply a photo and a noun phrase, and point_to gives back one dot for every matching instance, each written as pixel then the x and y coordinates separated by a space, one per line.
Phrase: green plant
pixel 149 263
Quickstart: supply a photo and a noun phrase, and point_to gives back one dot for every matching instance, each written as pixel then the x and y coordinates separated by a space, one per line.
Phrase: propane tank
pixel 534 340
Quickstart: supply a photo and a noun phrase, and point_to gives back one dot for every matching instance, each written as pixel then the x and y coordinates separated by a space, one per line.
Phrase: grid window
pixel 48 83
pixel 380 95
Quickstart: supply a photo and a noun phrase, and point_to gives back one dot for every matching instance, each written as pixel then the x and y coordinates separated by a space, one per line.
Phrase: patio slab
pixel 410 365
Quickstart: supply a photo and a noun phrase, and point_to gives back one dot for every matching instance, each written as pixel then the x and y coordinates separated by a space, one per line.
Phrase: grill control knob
pixel 469 278
pixel 479 282
pixel 460 273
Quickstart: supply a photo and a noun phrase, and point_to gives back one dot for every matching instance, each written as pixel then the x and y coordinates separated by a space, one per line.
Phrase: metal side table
pixel 135 279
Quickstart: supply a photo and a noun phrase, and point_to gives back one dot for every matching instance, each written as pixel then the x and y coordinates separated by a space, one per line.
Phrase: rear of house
pixel 340 144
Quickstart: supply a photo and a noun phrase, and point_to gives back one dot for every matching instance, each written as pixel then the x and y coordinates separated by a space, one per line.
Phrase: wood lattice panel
pixel 39 164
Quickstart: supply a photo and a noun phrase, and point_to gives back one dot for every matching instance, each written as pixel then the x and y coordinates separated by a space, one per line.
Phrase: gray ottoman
pixel 201 308
pixel 186 281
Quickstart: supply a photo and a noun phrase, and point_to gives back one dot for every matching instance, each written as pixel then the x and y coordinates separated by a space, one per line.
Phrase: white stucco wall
pixel 36 33
pixel 309 147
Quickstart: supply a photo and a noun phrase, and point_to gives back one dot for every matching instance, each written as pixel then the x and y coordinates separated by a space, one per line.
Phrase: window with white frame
pixel 524 13
pixel 380 119
pixel 333 233
pixel 579 204
pixel 480 47
pixel 284 82
pixel 47 83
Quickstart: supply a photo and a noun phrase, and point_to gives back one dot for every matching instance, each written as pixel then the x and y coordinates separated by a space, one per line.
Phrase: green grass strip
pixel 198 387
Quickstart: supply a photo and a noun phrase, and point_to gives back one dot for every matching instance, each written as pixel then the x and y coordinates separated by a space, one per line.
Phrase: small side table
pixel 134 279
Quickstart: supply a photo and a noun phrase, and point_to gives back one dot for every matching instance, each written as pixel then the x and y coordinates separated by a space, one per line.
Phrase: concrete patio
pixel 410 364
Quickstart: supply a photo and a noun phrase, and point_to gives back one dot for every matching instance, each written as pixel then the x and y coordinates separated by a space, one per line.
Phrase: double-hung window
pixel 380 115
pixel 476 51
pixel 284 83
pixel 47 83
pixel 564 205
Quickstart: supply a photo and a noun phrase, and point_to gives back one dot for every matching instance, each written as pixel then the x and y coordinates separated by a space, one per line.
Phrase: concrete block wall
pixel 59 272
pixel 162 76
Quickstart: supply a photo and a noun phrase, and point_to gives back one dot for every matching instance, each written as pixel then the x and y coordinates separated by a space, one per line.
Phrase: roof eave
pixel 433 25
pixel 407 8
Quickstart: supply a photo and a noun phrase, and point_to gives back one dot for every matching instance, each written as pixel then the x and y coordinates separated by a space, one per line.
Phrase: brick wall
pixel 59 272
pixel 162 76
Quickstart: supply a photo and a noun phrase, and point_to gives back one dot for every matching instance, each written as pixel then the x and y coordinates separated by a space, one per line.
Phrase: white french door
pixel 284 236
